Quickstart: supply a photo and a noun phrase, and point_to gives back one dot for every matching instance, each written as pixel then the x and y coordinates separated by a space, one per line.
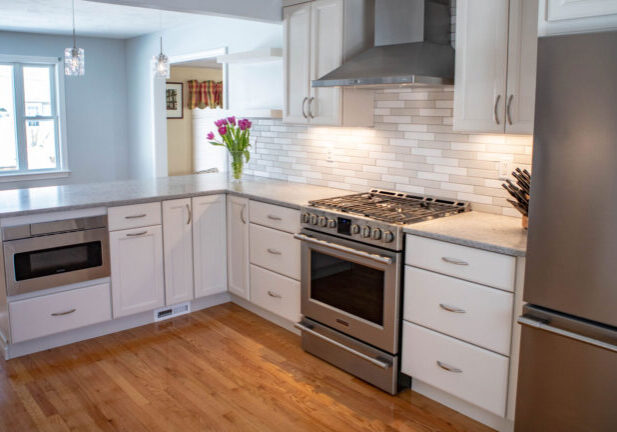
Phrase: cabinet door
pixel 238 246
pixel 522 57
pixel 576 16
pixel 178 251
pixel 210 245
pixel 297 37
pixel 324 106
pixel 137 281
pixel 481 62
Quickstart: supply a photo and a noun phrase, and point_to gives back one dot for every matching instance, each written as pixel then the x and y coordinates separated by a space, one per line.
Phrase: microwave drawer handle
pixel 376 362
pixel 378 258
pixel 139 216
pixel 55 314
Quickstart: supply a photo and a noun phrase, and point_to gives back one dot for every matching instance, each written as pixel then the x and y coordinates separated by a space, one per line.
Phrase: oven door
pixel 351 287
pixel 39 263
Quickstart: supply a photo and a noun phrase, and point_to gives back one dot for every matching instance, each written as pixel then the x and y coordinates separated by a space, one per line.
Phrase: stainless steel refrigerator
pixel 568 364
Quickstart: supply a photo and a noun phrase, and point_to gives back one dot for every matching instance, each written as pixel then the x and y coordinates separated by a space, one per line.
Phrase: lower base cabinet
pixel 275 293
pixel 473 374
pixel 54 313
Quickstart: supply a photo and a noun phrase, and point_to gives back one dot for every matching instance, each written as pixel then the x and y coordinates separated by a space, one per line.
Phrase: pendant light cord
pixel 74 40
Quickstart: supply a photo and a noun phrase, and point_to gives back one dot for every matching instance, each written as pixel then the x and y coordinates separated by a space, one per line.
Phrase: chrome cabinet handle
pixel 373 257
pixel 508 113
pixel 449 368
pixel 303 106
pixel 135 216
pixel 275 295
pixel 55 314
pixel 242 214
pixel 376 362
pixel 310 107
pixel 454 261
pixel 190 214
pixel 274 251
pixel 272 217
pixel 137 234
pixel 495 113
pixel 452 309
pixel 571 335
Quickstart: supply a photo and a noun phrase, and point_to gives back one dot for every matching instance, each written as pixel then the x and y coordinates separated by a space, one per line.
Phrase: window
pixel 31 138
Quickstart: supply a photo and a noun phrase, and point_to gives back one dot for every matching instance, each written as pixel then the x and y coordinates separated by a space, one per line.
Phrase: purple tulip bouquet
pixel 235 137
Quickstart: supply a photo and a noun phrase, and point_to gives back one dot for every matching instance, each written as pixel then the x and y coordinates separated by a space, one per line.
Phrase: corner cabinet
pixel 238 246
pixel 576 16
pixel 318 37
pixel 496 51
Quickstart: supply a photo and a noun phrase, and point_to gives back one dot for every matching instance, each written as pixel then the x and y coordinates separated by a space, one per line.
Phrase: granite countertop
pixel 495 233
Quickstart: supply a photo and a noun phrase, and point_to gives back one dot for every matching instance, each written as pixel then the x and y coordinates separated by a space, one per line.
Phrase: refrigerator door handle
pixel 571 335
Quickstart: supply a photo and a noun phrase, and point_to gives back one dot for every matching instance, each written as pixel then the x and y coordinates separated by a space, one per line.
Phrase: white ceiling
pixel 203 63
pixel 91 19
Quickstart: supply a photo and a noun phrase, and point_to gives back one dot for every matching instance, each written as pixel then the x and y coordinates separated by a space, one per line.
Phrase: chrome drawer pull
pixel 454 261
pixel 272 217
pixel 452 308
pixel 495 114
pixel 275 295
pixel 376 362
pixel 190 214
pixel 137 234
pixel 448 367
pixel 135 216
pixel 63 313
pixel 274 252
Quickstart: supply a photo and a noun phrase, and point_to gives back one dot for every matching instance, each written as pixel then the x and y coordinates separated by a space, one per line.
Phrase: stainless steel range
pixel 352 263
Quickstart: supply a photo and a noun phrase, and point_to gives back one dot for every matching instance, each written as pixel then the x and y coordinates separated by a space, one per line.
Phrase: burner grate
pixel 392 207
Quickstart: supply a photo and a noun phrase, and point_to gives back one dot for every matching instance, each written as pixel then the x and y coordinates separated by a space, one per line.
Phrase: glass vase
pixel 237 165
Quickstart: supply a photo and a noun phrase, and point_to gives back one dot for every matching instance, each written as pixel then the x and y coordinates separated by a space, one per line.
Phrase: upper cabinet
pixel 576 16
pixel 496 50
pixel 318 37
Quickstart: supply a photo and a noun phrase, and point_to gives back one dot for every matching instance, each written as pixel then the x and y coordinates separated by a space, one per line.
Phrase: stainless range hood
pixel 412 47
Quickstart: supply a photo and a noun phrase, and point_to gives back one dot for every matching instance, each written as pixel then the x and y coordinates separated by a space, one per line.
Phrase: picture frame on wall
pixel 174 99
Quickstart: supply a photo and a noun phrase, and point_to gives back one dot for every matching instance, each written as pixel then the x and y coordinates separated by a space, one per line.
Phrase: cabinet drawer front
pixel 134 216
pixel 474 313
pixel 275 250
pixel 54 313
pixel 275 293
pixel 487 268
pixel 273 216
pixel 475 375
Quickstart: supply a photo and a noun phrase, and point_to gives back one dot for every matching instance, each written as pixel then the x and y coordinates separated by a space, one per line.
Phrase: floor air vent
pixel 172 311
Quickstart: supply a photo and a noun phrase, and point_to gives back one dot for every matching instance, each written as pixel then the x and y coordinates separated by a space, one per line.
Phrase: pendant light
pixel 74 59
pixel 160 63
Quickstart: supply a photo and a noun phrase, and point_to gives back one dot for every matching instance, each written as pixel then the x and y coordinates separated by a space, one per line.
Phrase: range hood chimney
pixel 412 47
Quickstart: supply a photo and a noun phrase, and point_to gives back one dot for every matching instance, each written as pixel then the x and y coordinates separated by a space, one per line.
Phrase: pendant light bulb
pixel 161 64
pixel 74 58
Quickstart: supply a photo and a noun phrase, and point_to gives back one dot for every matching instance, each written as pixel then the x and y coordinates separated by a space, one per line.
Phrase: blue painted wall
pixel 96 106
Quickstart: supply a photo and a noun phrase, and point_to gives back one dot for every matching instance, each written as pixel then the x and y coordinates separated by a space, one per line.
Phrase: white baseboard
pixel 500 424
pixel 100 329
pixel 267 315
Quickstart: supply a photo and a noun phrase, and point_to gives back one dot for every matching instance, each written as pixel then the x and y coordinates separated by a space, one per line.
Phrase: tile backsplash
pixel 412 148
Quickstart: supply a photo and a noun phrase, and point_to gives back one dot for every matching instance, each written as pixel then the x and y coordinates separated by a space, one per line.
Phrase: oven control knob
pixel 306 218
pixel 366 231
pixel 332 223
pixel 376 234
pixel 313 219
pixel 355 229
pixel 323 221
pixel 388 237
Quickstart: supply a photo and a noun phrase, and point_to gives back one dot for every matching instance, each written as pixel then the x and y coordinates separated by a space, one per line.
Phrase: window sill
pixel 42 175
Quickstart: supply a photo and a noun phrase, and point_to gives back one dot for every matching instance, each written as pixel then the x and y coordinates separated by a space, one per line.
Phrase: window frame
pixel 56 72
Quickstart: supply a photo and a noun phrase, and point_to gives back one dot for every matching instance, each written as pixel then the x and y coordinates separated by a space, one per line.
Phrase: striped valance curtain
pixel 206 94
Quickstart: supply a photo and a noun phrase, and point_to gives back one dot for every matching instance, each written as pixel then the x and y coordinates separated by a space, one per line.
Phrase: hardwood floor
pixel 220 369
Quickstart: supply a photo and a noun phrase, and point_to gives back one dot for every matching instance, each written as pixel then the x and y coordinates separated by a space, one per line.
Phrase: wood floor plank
pixel 220 369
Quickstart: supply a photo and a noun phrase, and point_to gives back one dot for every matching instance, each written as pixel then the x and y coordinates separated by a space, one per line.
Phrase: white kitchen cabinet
pixel 318 37
pixel 178 250
pixel 238 246
pixel 576 16
pixel 137 280
pixel 210 245
pixel 496 50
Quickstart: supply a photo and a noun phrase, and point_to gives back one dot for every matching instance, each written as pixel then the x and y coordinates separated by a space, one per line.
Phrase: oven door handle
pixel 374 257
pixel 376 362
